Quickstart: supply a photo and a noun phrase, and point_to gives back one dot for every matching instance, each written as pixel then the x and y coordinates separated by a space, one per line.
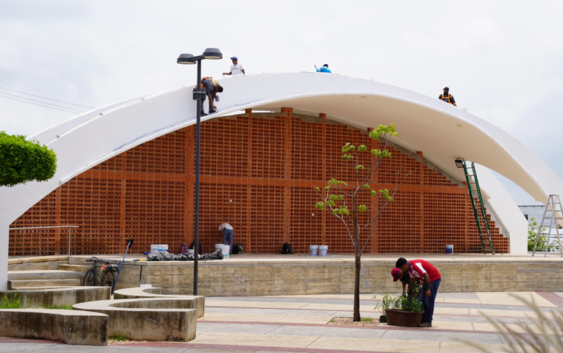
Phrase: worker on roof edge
pixel 422 271
pixel 324 69
pixel 236 68
pixel 212 87
pixel 447 97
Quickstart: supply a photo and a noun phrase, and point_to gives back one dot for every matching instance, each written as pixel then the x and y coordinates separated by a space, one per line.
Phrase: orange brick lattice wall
pixel 257 173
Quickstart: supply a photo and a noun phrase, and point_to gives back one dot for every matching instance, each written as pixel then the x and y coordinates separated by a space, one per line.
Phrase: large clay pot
pixel 403 318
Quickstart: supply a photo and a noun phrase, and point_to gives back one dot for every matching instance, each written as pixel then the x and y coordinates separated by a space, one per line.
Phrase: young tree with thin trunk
pixel 341 199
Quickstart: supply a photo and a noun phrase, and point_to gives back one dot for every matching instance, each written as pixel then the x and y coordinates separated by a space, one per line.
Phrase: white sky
pixel 503 60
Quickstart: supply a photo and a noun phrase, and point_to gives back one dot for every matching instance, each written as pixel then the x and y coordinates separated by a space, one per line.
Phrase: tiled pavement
pixel 298 324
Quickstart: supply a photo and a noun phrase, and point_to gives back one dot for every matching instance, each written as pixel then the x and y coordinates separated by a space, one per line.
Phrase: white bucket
pixel 313 250
pixel 191 252
pixel 224 249
pixel 163 247
pixel 449 249
pixel 323 250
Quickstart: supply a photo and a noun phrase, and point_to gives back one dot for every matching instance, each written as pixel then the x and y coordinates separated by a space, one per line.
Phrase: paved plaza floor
pixel 299 324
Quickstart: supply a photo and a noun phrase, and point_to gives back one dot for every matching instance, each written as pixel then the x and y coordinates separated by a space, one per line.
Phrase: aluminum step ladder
pixel 475 193
pixel 554 201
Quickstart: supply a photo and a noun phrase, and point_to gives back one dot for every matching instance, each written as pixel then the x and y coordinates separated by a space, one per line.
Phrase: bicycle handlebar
pixel 94 259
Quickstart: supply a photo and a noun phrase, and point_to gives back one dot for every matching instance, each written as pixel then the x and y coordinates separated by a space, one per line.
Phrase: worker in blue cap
pixel 236 68
pixel 324 68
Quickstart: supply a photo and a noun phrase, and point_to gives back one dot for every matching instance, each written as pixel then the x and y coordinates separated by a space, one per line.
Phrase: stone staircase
pixel 25 280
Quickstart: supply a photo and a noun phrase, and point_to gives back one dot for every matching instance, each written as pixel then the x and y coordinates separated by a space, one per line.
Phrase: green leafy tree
pixel 22 161
pixel 342 200
pixel 533 234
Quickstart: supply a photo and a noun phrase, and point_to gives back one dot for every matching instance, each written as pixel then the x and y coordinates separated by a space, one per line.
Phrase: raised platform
pixel 272 274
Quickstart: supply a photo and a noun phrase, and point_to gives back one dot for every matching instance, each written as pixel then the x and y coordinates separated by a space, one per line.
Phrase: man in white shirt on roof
pixel 236 68
pixel 227 231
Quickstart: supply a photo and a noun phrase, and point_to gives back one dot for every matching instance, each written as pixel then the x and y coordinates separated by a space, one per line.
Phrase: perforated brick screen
pixel 257 173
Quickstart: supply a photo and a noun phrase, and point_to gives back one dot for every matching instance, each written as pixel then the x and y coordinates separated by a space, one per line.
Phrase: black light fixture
pixel 212 54
pixel 186 59
pixel 198 95
pixel 459 162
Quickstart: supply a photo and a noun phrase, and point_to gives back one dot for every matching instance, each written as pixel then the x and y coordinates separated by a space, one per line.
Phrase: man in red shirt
pixel 430 279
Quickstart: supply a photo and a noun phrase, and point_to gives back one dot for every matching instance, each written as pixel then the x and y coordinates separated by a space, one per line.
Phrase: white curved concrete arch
pixel 424 124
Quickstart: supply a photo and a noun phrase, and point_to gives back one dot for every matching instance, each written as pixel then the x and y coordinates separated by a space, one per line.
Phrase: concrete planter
pixel 403 318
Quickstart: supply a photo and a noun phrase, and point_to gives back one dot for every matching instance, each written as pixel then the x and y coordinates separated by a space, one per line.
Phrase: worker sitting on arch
pixel 447 97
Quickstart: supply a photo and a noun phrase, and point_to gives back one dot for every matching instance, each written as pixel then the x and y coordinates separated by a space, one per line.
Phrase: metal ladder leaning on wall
pixel 553 201
pixel 473 186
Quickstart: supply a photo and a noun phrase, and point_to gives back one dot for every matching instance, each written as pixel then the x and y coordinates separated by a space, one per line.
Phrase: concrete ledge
pixel 36 263
pixel 157 292
pixel 58 296
pixel 69 326
pixel 157 319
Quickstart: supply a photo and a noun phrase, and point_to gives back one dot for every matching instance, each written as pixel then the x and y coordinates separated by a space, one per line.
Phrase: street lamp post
pixel 198 95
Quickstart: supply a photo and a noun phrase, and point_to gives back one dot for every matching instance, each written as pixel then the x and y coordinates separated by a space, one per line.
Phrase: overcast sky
pixel 503 60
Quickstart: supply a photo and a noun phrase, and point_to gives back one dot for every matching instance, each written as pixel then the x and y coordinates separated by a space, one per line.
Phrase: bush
pixel 22 161
pixel 533 233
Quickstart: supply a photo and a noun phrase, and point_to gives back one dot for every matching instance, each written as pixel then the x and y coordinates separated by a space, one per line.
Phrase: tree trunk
pixel 358 268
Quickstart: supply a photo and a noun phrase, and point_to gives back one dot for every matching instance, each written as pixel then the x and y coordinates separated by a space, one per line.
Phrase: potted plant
pixel 400 310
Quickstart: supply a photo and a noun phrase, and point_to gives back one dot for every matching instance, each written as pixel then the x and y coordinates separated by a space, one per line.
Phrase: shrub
pixel 22 161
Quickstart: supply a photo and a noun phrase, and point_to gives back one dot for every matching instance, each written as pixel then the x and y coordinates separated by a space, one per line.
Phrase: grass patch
pixel 332 320
pixel 117 338
pixel 6 303
pixel 15 303
pixel 366 319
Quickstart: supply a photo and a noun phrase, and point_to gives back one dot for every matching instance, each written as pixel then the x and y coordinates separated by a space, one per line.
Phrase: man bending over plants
pixel 430 278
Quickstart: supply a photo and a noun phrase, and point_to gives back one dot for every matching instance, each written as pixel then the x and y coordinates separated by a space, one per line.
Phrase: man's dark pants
pixel 429 302
pixel 228 235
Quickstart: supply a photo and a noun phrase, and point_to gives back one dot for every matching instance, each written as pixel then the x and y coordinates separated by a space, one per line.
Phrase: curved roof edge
pixel 443 132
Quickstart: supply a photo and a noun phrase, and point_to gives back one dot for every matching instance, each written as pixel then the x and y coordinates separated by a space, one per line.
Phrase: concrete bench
pixel 68 326
pixel 156 319
pixel 34 297
pixel 156 292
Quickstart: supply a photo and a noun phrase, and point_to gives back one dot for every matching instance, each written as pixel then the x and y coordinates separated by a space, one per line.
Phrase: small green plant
pixel 533 233
pixel 385 304
pixel 399 303
pixel 366 319
pixel 118 338
pixel 6 303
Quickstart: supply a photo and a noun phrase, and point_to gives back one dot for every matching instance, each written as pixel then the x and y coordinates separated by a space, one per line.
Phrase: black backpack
pixel 238 249
pixel 287 249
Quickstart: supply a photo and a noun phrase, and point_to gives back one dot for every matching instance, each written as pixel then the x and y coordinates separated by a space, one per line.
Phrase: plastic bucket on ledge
pixel 323 250
pixel 313 250
pixel 449 249
pixel 224 249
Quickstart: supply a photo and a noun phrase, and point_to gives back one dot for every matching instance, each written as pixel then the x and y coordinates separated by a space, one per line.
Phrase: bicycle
pixel 104 277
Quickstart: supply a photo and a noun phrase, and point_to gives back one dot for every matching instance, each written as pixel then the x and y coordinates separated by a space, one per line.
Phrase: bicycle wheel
pixel 92 277
pixel 107 279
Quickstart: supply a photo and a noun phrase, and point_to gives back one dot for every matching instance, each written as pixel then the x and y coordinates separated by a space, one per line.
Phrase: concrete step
pixel 44 275
pixel 75 268
pixel 21 284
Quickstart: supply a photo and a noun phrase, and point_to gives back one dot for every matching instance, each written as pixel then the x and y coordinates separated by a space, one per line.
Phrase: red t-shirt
pixel 420 267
